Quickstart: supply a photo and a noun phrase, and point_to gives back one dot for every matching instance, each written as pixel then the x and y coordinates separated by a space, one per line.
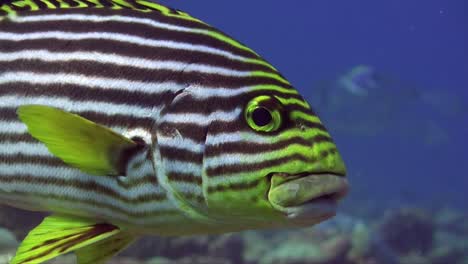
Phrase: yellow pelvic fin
pixel 79 142
pixel 58 235
pixel 103 250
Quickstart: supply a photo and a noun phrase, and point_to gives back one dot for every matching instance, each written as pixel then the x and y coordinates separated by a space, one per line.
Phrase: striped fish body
pixel 157 74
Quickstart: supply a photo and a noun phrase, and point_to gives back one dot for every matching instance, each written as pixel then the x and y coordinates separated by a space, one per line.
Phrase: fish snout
pixel 307 198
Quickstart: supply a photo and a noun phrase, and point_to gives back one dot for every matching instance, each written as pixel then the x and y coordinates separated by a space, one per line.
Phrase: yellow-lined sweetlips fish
pixel 125 118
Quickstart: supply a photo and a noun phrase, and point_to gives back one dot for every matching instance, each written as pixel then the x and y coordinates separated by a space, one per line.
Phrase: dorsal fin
pixel 12 7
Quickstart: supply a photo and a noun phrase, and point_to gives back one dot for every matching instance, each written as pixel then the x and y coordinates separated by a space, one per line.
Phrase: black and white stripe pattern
pixel 178 81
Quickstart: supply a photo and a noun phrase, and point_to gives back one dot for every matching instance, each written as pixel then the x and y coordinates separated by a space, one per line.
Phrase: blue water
pixel 405 143
pixel 422 44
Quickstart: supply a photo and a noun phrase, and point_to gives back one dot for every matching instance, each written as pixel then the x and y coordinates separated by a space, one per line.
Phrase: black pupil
pixel 261 116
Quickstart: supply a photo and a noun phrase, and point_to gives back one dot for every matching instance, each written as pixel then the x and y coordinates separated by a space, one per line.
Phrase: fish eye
pixel 263 114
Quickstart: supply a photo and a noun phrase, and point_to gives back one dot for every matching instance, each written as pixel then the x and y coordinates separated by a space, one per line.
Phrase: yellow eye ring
pixel 263 114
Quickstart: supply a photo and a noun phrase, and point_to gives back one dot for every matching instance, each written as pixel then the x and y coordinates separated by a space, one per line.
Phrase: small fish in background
pixel 359 92
pixel 126 118
pixel 363 85
pixel 369 94
pixel 359 80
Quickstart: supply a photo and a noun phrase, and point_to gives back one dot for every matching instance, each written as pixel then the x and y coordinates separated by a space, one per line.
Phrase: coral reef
pixel 407 235
pixel 407 230
pixel 309 246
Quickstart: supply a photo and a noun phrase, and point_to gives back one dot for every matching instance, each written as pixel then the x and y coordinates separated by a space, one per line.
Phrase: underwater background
pixel 390 81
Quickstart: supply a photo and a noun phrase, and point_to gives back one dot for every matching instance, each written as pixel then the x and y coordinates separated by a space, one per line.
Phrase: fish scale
pixel 144 73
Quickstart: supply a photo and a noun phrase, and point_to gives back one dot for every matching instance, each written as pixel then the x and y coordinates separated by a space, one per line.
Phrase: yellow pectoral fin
pixel 58 235
pixel 101 251
pixel 79 142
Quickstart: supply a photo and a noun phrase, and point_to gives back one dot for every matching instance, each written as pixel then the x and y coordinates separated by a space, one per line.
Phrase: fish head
pixel 271 163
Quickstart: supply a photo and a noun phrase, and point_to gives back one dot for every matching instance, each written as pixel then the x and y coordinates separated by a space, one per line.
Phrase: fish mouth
pixel 307 198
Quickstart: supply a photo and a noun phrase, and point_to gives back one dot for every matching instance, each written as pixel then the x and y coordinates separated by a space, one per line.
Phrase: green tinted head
pixel 280 168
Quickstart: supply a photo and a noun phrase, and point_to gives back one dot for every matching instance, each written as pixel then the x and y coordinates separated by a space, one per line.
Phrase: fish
pixel 411 110
pixel 359 80
pixel 126 118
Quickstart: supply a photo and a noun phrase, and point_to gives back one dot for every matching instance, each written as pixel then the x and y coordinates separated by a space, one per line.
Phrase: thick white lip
pixel 320 205
pixel 319 209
